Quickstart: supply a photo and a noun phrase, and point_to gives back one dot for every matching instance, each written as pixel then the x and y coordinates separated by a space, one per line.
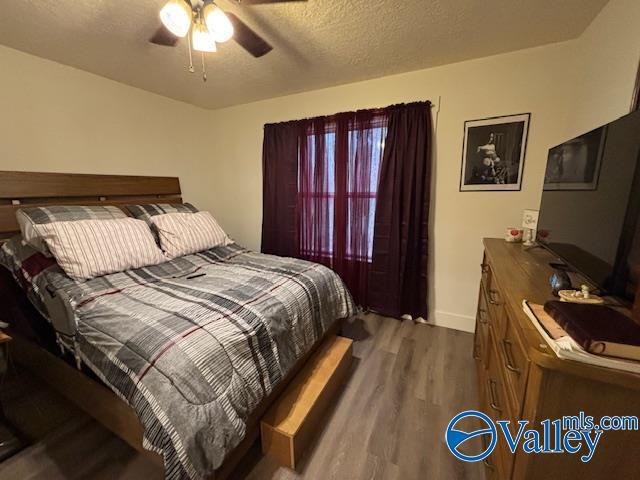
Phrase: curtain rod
pixel 431 105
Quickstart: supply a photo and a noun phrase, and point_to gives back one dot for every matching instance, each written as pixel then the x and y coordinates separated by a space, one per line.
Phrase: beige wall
pixel 525 81
pixel 606 56
pixel 57 118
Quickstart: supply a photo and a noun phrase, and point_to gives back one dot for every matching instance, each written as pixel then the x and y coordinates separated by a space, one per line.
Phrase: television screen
pixel 591 203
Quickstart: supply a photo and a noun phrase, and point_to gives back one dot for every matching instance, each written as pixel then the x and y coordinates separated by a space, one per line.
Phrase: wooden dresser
pixel 520 377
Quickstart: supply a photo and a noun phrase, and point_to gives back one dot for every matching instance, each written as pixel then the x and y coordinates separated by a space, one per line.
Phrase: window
pixel 339 168
pixel 329 188
pixel 317 187
pixel 362 204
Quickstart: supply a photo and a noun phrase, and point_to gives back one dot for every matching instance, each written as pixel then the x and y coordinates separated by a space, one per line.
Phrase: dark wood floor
pixel 408 380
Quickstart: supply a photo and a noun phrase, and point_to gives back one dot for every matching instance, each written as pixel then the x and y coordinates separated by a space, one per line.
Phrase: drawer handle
pixel 508 356
pixel 488 464
pixel 492 295
pixel 492 394
pixel 484 267
pixel 482 316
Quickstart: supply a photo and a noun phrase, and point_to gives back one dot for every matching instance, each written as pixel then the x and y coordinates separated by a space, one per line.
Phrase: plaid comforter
pixel 194 344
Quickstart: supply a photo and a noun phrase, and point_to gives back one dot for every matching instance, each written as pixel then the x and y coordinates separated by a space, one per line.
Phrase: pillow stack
pixel 180 228
pixel 92 241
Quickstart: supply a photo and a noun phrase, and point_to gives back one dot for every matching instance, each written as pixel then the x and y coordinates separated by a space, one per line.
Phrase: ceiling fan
pixel 204 24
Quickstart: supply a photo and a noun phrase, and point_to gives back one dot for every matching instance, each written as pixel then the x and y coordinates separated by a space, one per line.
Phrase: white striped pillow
pixel 89 248
pixel 184 233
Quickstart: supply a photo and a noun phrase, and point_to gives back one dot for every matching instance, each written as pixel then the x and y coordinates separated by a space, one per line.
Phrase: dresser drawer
pixel 515 362
pixel 482 316
pixel 497 404
pixel 496 310
pixel 483 320
pixel 496 393
pixel 492 464
pixel 479 344
pixel 493 299
pixel 486 272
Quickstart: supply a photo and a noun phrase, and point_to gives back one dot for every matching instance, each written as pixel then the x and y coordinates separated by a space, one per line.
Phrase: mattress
pixel 193 345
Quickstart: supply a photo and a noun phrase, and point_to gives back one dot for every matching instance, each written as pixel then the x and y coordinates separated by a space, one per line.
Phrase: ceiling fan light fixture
pixel 202 39
pixel 176 16
pixel 217 22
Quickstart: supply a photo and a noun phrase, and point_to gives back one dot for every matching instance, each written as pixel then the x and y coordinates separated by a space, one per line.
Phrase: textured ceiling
pixel 317 44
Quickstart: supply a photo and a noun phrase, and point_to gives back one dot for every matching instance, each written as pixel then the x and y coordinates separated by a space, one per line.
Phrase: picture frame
pixel 530 226
pixel 530 219
pixel 575 164
pixel 493 153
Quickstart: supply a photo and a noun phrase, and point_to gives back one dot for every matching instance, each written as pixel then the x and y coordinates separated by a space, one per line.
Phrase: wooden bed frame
pixel 20 189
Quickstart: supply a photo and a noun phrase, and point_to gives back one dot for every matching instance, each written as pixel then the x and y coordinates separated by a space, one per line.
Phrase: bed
pixel 183 357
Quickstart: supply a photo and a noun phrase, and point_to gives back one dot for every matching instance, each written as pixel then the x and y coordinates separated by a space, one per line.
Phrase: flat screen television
pixel 591 205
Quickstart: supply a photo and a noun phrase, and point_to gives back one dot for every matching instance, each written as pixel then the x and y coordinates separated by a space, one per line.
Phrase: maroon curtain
pixel 339 162
pixel 280 189
pixel 351 191
pixel 398 277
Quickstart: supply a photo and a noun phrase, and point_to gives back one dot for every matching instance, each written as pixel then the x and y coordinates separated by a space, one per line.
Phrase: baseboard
pixel 455 321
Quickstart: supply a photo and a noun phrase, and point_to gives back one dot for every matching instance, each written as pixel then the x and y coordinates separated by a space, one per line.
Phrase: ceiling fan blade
pixel 247 38
pixel 164 37
pixel 265 2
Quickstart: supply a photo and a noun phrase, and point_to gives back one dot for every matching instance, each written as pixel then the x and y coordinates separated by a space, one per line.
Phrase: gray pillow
pixel 150 210
pixel 29 216
pixel 146 212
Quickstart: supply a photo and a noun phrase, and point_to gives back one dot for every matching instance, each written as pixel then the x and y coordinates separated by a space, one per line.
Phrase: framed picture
pixel 575 165
pixel 493 153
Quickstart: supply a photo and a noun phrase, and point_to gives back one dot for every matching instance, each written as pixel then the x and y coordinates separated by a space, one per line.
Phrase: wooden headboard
pixel 20 189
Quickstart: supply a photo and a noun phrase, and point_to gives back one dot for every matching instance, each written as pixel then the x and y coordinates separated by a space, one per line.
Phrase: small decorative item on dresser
pixel 542 236
pixel 530 224
pixel 580 296
pixel 559 280
pixel 513 235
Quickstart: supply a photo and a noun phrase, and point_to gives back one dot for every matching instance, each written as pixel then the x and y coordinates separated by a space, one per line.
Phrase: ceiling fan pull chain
pixel 191 69
pixel 204 70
